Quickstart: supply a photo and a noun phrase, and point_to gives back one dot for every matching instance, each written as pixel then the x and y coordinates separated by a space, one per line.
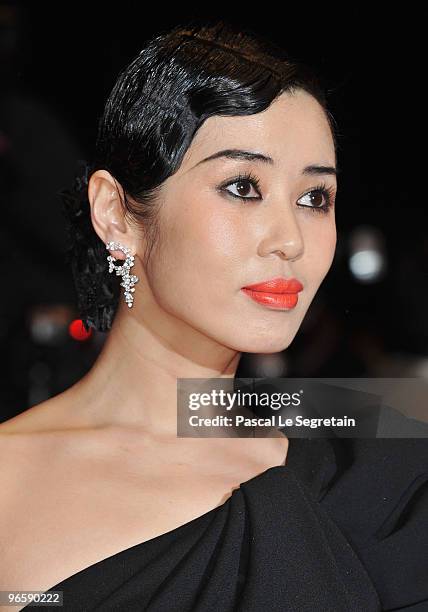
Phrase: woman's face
pixel 212 243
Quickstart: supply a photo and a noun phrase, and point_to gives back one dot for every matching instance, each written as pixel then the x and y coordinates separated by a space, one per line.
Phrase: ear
pixel 105 196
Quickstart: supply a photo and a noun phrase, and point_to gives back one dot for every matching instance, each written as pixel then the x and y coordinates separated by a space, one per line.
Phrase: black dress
pixel 342 527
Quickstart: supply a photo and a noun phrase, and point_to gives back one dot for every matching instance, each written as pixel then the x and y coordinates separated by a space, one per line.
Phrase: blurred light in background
pixel 77 330
pixel 48 323
pixel 367 254
pixel 52 351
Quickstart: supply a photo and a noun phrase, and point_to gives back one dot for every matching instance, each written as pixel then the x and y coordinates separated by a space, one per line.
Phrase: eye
pixel 243 185
pixel 316 196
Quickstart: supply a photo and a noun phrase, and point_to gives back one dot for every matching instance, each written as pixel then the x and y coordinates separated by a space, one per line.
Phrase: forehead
pixel 294 130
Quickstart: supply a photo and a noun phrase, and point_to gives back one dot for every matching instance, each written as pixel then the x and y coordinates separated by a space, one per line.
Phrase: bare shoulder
pixel 52 414
pixel 24 445
pixel 21 435
pixel 38 440
pixel 48 474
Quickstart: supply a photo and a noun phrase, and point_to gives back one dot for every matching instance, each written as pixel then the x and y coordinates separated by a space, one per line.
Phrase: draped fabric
pixel 341 527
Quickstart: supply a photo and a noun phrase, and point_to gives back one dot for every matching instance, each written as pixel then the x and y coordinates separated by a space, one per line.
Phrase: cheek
pixel 320 246
pixel 202 245
pixel 206 253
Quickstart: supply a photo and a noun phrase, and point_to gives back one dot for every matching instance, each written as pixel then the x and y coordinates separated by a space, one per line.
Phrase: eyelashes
pixel 326 192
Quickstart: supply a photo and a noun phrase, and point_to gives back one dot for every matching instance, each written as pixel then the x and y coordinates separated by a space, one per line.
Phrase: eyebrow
pixel 241 155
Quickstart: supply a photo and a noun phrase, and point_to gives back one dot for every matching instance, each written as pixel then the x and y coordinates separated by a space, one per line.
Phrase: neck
pixel 133 382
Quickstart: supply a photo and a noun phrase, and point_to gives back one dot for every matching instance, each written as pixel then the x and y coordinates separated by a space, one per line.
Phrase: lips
pixel 278 293
pixel 277 285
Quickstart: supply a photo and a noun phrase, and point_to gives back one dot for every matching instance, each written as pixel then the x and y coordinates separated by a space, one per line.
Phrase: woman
pixel 215 170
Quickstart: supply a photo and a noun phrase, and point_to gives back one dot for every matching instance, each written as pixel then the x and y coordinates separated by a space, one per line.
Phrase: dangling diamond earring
pixel 128 280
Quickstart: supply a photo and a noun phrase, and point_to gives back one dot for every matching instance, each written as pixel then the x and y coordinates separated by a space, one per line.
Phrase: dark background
pixel 58 65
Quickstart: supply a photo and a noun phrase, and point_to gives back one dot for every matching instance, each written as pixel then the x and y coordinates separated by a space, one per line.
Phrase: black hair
pixel 159 101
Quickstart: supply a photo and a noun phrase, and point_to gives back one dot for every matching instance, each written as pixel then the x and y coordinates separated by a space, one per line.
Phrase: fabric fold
pixel 342 526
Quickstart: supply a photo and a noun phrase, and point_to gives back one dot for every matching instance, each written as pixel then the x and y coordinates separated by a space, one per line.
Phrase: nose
pixel 283 236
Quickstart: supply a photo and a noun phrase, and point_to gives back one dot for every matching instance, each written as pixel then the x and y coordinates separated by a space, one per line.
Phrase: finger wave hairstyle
pixel 157 104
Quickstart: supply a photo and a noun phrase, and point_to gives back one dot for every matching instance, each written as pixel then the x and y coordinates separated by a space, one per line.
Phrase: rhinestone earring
pixel 129 280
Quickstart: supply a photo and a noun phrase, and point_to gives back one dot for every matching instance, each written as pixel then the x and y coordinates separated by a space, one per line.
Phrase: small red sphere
pixel 77 330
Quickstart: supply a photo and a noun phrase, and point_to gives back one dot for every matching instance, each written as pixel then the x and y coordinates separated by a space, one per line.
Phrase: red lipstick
pixel 278 292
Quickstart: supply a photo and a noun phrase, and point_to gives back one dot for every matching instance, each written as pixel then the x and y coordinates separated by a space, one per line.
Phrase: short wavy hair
pixel 159 101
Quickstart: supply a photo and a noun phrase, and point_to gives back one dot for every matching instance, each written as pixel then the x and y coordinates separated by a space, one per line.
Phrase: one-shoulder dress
pixel 342 526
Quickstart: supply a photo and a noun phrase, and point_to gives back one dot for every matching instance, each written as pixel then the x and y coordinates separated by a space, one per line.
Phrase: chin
pixel 263 345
